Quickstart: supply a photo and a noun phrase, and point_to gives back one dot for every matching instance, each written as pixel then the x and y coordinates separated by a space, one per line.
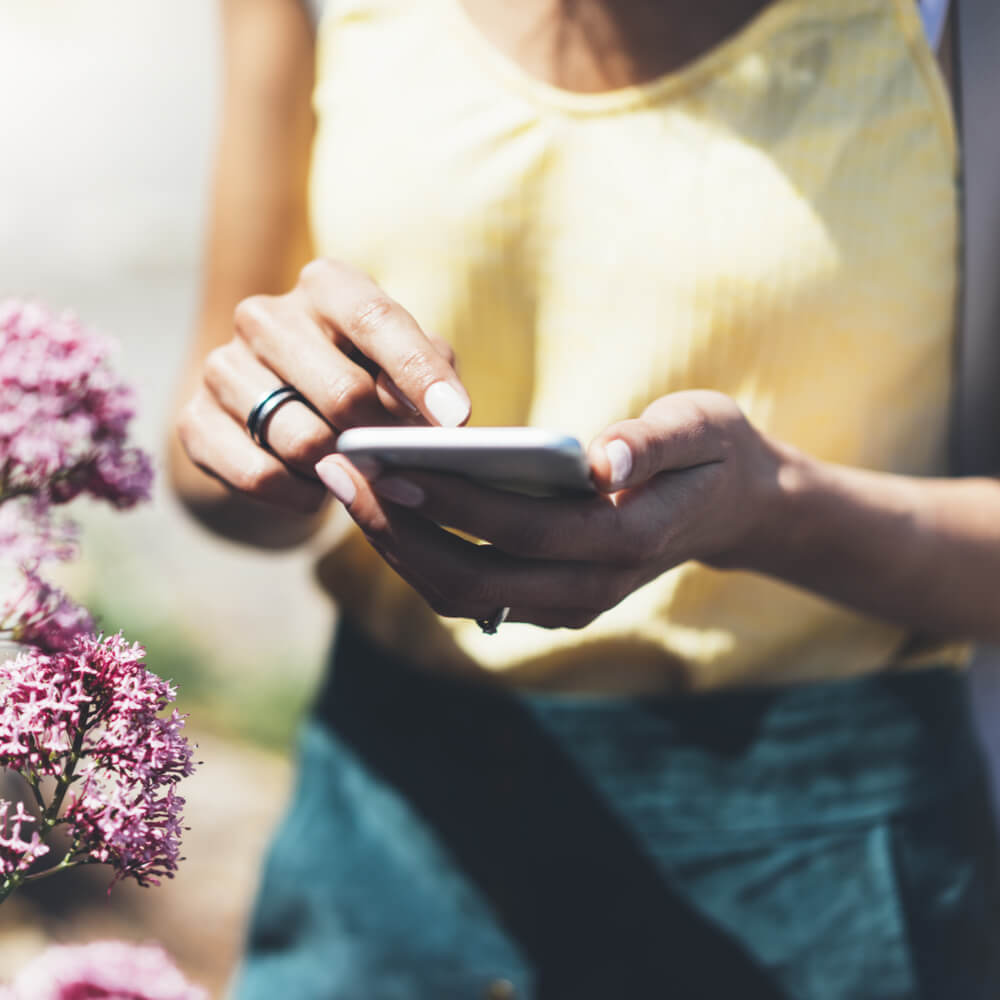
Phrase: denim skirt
pixel 446 840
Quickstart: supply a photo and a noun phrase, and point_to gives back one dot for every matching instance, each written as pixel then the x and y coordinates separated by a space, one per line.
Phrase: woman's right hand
pixel 356 356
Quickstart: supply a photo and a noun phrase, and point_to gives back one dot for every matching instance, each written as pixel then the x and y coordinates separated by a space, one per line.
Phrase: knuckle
pixel 188 427
pixel 256 476
pixel 699 420
pixel 348 397
pixel 368 319
pixel 191 420
pixel 251 314
pixel 317 270
pixel 321 271
pixel 306 445
pixel 216 368
pixel 415 365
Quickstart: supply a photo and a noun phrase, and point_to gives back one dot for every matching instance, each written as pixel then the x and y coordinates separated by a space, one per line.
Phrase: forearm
pixel 922 553
pixel 258 236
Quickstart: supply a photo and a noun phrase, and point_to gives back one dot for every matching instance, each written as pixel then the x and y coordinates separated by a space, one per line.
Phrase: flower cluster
pixel 44 616
pixel 89 717
pixel 16 853
pixel 102 970
pixel 81 718
pixel 64 420
pixel 64 414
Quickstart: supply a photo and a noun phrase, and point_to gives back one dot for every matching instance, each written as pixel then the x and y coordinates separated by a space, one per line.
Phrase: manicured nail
pixel 447 407
pixel 620 459
pixel 336 480
pixel 400 491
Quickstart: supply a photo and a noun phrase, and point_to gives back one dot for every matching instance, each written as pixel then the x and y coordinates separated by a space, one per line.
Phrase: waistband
pixel 762 759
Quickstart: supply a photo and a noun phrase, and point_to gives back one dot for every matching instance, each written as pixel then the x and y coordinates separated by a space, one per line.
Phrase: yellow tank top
pixel 776 221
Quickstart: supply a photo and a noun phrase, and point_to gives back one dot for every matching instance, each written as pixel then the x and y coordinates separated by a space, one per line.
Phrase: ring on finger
pixel 261 412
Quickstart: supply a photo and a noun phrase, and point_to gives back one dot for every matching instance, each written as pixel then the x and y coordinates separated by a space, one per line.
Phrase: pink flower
pixel 91 713
pixel 16 853
pixel 36 612
pixel 42 701
pixel 64 421
pixel 44 616
pixel 103 970
pixel 64 415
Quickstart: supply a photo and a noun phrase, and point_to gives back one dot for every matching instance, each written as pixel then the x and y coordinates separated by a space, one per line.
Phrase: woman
pixel 720 742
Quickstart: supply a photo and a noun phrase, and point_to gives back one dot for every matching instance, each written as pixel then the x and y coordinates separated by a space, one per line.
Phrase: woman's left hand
pixel 690 479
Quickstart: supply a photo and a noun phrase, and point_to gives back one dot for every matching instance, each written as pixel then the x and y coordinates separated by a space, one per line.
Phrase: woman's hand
pixel 356 357
pixel 690 479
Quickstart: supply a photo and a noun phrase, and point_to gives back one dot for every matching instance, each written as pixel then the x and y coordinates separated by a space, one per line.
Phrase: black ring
pixel 263 410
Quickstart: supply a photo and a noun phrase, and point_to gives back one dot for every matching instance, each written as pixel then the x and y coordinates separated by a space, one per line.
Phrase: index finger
pixel 378 326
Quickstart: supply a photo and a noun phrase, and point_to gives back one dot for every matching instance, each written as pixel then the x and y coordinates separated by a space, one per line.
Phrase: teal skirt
pixel 816 842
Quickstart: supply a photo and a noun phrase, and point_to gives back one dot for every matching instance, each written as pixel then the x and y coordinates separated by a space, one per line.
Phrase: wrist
pixel 783 526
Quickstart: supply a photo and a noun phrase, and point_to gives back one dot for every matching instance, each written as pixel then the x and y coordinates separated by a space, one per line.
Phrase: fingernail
pixel 620 458
pixel 336 480
pixel 447 407
pixel 400 491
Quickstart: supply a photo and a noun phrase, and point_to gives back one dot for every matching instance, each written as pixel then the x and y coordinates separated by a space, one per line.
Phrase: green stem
pixel 18 879
pixel 51 815
pixel 9 884
pixel 36 789
pixel 67 862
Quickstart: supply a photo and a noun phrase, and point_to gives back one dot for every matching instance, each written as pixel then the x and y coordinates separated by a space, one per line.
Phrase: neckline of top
pixel 653 91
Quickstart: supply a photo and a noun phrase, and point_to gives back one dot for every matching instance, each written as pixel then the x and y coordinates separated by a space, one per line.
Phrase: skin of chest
pixel 588 46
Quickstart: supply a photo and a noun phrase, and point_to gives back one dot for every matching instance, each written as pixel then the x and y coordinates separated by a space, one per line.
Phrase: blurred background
pixel 107 117
pixel 106 128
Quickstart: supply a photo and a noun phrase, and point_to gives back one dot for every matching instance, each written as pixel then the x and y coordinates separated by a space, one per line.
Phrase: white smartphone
pixel 523 459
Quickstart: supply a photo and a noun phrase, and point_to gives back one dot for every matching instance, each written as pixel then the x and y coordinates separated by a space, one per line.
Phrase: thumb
pixel 674 433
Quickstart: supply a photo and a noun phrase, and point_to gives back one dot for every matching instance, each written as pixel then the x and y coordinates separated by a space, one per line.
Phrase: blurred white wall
pixel 107 116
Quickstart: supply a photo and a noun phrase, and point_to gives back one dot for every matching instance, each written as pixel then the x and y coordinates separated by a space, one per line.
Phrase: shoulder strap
pixel 977 414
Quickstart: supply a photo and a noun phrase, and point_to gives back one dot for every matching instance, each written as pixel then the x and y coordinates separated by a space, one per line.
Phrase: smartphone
pixel 522 459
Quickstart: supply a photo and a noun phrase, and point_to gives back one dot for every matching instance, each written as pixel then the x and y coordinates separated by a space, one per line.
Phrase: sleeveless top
pixel 778 221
